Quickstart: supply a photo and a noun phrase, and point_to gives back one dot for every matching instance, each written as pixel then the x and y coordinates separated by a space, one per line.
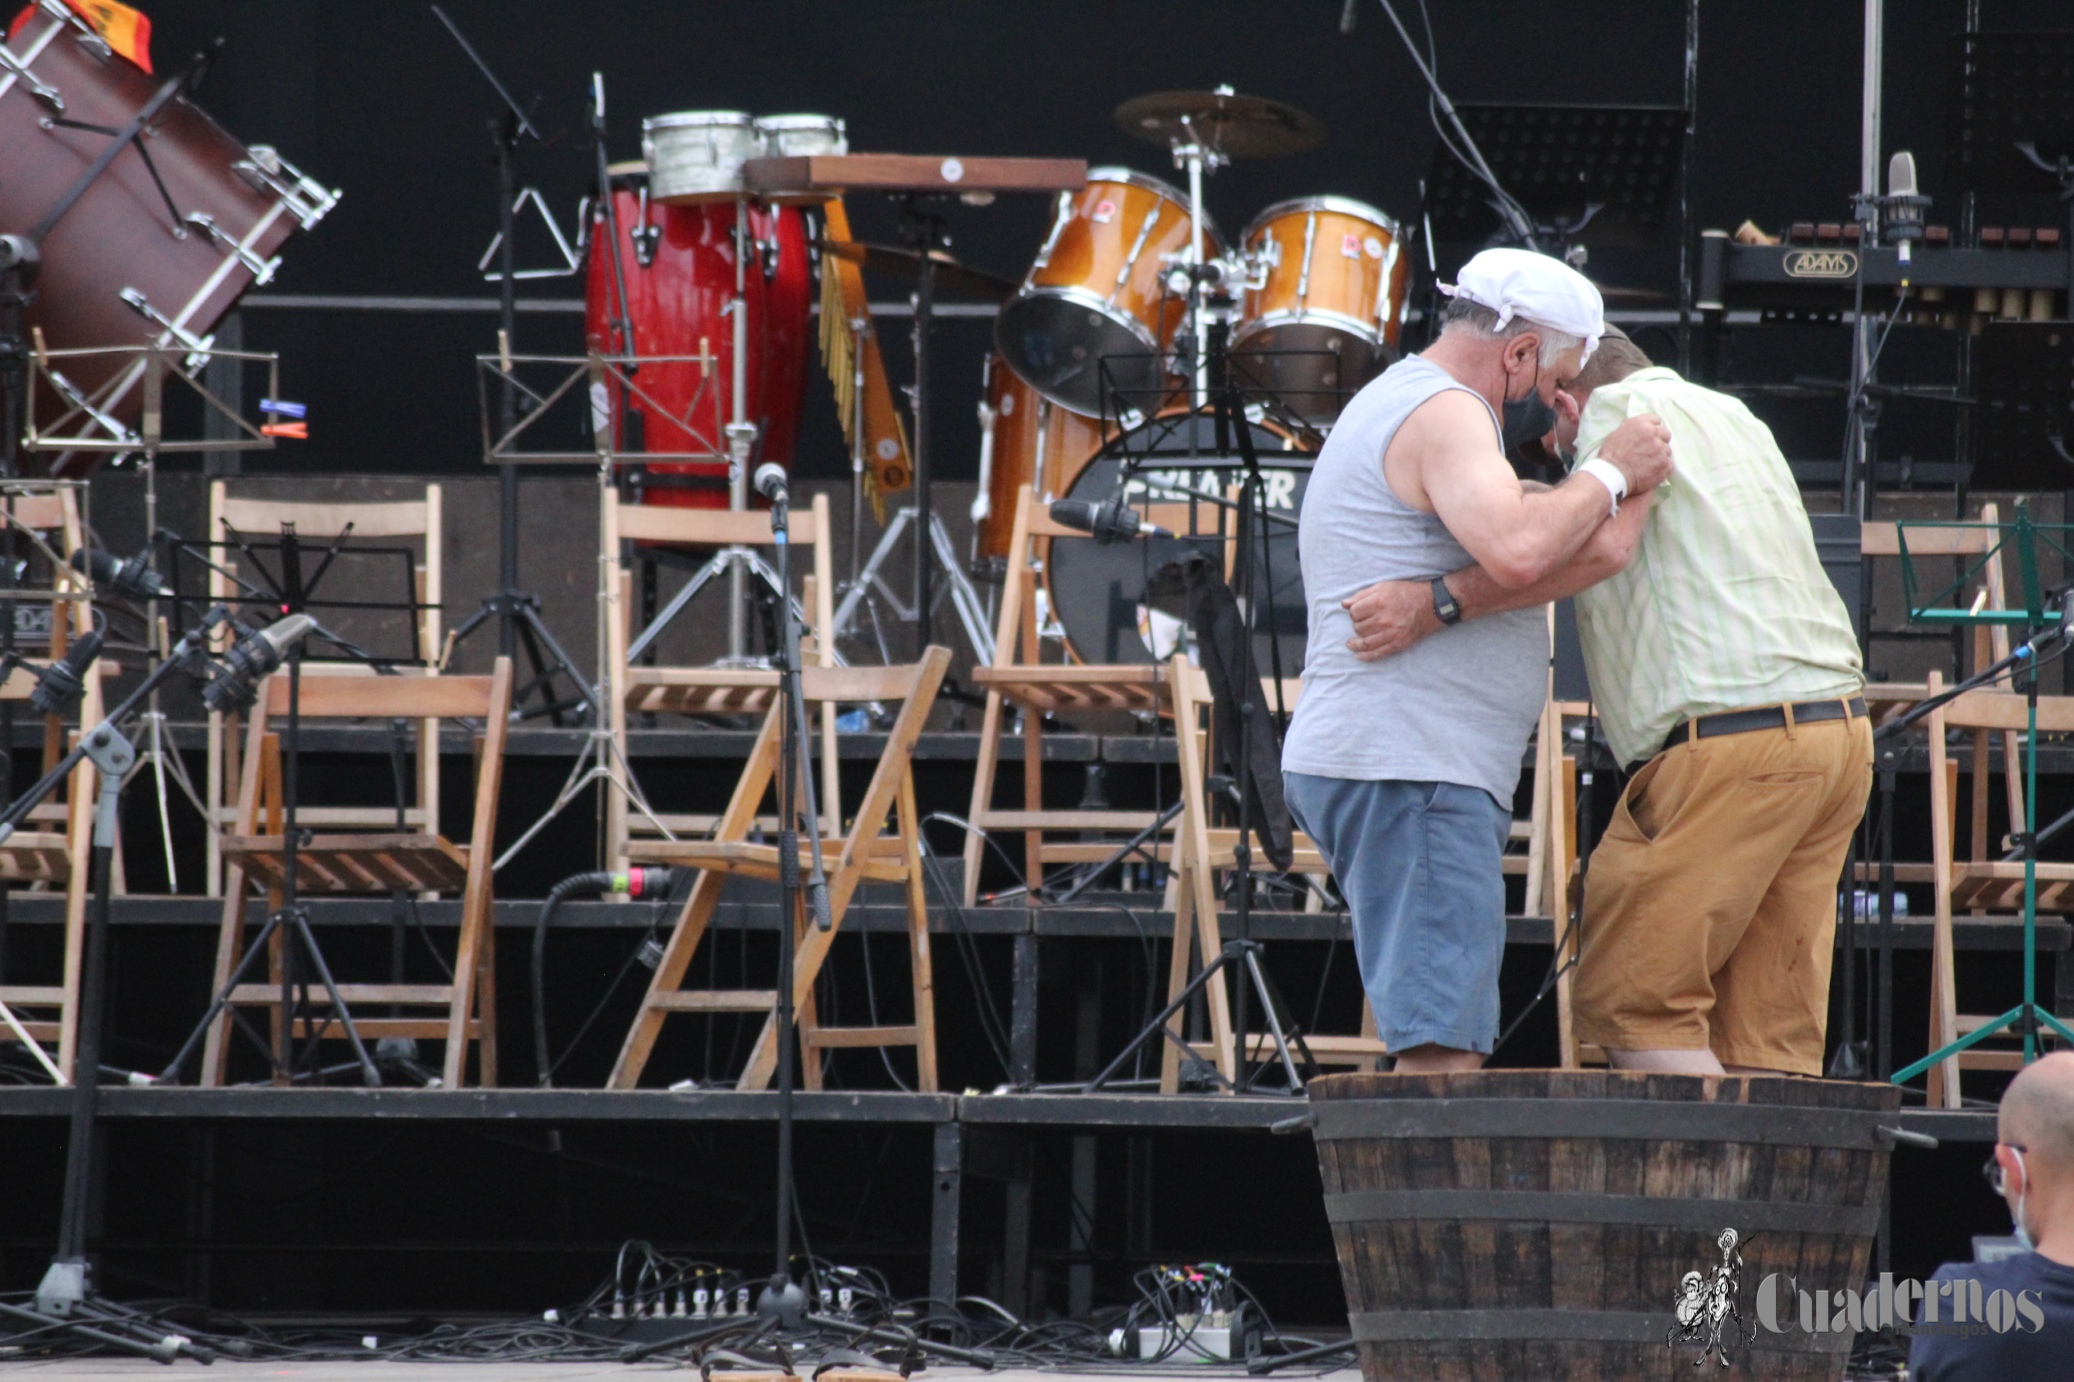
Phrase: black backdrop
pixel 376 99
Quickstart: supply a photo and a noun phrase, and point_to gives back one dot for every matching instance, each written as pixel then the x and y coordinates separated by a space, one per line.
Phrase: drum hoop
pixel 699 119
pixel 1146 182
pixel 788 123
pixel 1081 297
pixel 1315 316
pixel 1345 206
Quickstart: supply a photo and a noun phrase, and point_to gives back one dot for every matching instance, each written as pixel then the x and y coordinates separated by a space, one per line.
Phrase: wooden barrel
pixel 1540 1223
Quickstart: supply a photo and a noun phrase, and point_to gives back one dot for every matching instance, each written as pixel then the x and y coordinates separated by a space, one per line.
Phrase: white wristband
pixel 1607 474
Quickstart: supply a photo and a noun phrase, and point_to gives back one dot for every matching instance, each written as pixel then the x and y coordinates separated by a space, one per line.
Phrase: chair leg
pixel 486 1006
pixel 471 959
pixel 806 1017
pixel 920 963
pixel 982 794
pixel 1180 899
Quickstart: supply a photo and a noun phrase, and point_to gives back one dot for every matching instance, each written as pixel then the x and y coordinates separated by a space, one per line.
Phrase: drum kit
pixel 1136 310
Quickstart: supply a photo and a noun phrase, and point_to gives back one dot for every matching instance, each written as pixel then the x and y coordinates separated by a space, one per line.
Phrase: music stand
pixel 1589 174
pixel 2041 633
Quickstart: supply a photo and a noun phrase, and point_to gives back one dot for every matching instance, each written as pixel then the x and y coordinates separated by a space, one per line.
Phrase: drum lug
pixel 262 270
pixel 644 235
pixel 198 347
pixel 305 199
pixel 38 88
pixel 95 45
pixel 767 252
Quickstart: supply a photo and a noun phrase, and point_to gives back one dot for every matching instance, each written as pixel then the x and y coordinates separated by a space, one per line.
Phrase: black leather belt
pixel 1749 721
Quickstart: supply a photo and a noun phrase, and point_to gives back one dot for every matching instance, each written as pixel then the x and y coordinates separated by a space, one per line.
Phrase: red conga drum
pixel 678 262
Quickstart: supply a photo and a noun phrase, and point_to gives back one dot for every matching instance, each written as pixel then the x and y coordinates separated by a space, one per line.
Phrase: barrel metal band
pixel 1511 1206
pixel 1598 1119
pixel 1560 1326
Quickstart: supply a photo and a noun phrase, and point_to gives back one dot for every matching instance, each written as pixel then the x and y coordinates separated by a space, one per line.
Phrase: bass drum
pixel 119 268
pixel 1097 593
pixel 1029 441
pixel 679 266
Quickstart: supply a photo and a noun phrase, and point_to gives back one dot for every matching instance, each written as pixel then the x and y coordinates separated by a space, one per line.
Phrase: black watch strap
pixel 1445 605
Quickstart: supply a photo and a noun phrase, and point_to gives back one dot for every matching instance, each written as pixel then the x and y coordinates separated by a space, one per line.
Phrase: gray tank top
pixel 1460 704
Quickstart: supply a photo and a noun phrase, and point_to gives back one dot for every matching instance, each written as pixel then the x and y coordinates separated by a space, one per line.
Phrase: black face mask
pixel 1526 419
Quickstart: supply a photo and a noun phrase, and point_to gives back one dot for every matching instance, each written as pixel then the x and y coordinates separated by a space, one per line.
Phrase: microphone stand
pixel 783 1302
pixel 65 1299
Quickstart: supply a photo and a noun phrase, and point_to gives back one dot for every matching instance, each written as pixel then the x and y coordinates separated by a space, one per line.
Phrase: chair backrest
pixel 415 697
pixel 809 529
pixel 1015 628
pixel 420 518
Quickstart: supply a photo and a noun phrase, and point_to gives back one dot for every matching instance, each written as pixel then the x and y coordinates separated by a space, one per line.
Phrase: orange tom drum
pixel 1097 292
pixel 1025 440
pixel 1325 319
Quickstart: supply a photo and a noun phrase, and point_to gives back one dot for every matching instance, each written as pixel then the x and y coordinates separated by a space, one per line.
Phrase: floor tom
pixel 1029 441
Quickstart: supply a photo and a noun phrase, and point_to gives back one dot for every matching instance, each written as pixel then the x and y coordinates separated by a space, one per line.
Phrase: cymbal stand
pixel 1198 157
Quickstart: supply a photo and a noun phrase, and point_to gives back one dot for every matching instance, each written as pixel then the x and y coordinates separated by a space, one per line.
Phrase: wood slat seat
pixel 365 863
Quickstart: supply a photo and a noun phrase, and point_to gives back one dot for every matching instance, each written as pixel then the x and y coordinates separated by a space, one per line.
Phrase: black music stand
pixel 1587 174
pixel 517 611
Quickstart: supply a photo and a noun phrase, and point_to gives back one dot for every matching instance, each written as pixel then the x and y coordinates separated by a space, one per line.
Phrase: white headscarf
pixel 1542 290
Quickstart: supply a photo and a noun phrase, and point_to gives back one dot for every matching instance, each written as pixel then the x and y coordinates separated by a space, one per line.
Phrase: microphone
pixel 1109 522
pixel 60 686
pixel 250 660
pixel 131 577
pixel 769 482
pixel 1902 209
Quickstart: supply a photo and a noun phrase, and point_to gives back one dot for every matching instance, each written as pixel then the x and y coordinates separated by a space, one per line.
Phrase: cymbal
pixel 1233 125
pixel 953 278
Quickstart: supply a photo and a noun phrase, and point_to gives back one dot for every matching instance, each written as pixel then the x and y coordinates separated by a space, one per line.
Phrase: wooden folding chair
pixel 869 851
pixel 634 688
pixel 1985 883
pixel 50 851
pixel 381 860
pixel 1019 678
pixel 1200 852
pixel 386 521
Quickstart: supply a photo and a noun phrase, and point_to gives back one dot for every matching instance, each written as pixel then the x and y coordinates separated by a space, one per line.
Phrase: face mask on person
pixel 2023 1232
pixel 1526 419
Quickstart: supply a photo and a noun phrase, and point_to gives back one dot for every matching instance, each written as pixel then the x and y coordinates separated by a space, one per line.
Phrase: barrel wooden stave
pixel 1585 1268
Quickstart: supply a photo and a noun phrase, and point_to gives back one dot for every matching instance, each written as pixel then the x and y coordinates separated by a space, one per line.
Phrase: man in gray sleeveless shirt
pixel 1403 770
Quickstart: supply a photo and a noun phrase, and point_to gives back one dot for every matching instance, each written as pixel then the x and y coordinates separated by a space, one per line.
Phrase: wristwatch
pixel 1445 606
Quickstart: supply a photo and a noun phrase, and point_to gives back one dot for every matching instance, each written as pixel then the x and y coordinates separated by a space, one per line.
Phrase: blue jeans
pixel 1419 866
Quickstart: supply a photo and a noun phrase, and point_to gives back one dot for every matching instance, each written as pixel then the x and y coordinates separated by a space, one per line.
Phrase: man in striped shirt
pixel 1727 677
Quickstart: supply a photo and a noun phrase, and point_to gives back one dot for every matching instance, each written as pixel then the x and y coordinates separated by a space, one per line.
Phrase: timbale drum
pixel 696 156
pixel 1028 441
pixel 120 266
pixel 679 265
pixel 1096 298
pixel 1326 316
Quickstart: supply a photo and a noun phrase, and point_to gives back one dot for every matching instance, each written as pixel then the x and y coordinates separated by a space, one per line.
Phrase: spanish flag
pixel 127 31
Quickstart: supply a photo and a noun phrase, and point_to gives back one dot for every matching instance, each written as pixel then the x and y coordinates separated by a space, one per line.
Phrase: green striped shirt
pixel 1725 604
